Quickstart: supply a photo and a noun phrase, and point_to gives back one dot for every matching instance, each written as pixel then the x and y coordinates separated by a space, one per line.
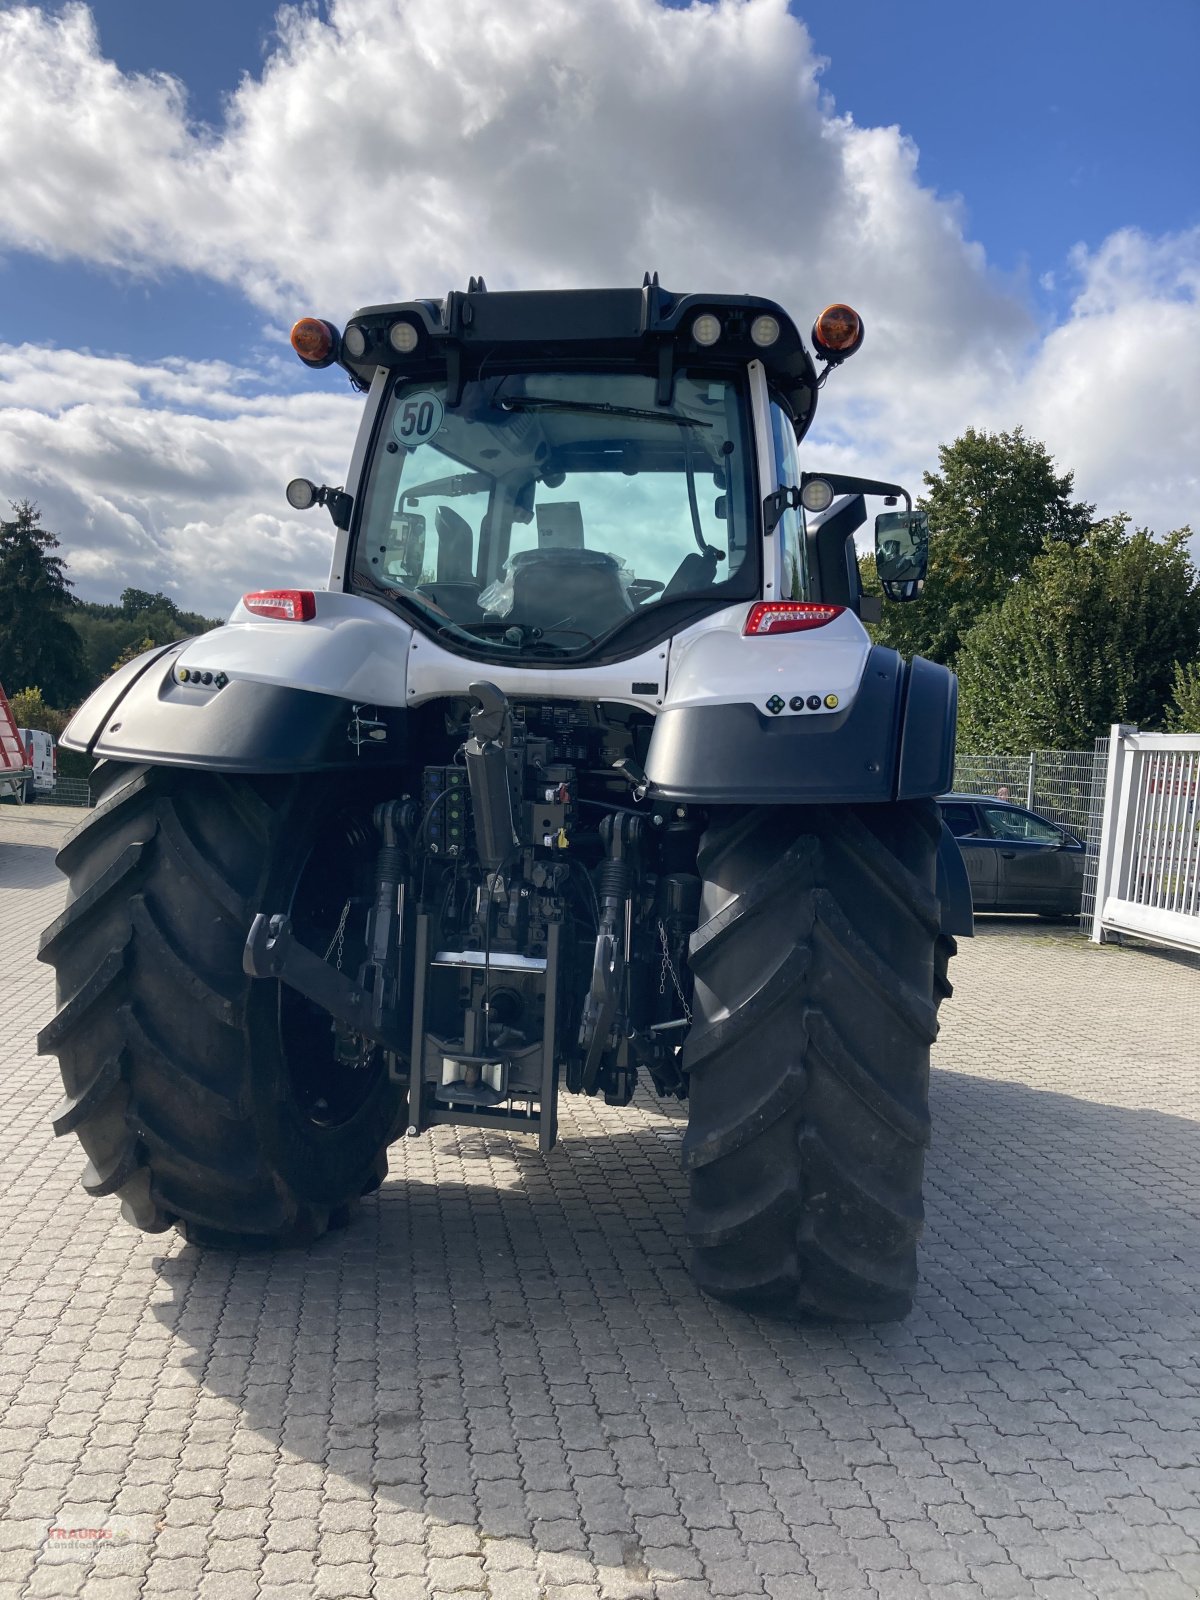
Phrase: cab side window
pixel 793 546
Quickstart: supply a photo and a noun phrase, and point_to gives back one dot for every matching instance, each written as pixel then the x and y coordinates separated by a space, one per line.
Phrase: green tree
pixel 136 602
pixel 109 633
pixel 37 642
pixel 1090 637
pixel 30 710
pixel 1183 713
pixel 995 504
pixel 133 650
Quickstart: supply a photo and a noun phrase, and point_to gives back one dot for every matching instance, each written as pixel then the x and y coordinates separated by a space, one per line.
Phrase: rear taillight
pixel 788 616
pixel 289 605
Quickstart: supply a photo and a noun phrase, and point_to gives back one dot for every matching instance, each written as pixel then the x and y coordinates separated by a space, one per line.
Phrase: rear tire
pixel 200 1096
pixel 818 967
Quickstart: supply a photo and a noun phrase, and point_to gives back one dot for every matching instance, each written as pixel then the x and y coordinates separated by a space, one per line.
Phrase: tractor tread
pixel 818 969
pixel 75 1109
pixel 79 910
pixel 155 1030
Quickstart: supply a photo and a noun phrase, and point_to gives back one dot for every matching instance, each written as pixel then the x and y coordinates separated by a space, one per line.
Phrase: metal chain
pixel 668 968
pixel 339 938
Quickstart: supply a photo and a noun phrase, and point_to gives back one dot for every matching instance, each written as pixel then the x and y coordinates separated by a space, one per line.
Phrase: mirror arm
pixel 841 484
pixel 786 499
pixel 339 505
pixel 337 502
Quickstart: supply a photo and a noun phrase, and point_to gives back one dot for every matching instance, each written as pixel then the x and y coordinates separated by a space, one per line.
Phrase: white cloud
pixel 1115 391
pixel 168 476
pixel 1112 390
pixel 395 148
pixel 377 158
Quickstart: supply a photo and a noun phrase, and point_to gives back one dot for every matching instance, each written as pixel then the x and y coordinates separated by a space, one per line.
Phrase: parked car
pixel 42 754
pixel 1016 860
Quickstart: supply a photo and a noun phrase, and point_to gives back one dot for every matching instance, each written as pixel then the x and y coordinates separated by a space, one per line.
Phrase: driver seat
pixel 575 588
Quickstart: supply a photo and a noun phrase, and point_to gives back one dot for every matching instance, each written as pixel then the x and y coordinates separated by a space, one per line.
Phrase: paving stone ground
pixel 500 1381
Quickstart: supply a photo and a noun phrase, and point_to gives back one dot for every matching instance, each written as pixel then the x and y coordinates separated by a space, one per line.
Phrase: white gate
pixel 1148 869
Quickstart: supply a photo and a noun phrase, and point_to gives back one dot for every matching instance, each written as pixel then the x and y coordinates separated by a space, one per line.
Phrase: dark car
pixel 1016 860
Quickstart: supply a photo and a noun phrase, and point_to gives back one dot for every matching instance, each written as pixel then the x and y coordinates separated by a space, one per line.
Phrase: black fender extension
pixel 893 742
pixel 230 724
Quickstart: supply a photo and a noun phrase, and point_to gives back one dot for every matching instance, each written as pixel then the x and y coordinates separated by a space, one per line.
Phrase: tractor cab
pixel 570 474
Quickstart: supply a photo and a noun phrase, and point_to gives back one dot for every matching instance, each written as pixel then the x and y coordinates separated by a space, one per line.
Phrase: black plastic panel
pixel 930 721
pixel 738 755
pixel 101 705
pixel 894 742
pixel 242 727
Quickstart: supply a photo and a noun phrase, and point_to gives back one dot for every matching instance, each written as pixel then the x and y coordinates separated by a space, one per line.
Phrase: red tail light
pixel 289 605
pixel 788 616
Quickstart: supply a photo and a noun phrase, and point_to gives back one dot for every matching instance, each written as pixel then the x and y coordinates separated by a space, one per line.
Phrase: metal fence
pixel 1060 784
pixel 1065 785
pixel 66 792
pixel 1087 907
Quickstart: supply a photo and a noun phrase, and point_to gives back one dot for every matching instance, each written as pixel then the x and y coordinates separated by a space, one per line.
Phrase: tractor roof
pixel 552 327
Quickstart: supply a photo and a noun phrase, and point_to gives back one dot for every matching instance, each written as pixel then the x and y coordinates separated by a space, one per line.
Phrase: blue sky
pixel 1012 189
pixel 1057 122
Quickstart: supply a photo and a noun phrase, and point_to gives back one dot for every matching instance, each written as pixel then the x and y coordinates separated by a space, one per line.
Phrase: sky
pixel 1007 194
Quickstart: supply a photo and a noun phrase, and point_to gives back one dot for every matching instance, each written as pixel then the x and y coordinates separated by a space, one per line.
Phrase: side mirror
pixel 902 552
pixel 405 557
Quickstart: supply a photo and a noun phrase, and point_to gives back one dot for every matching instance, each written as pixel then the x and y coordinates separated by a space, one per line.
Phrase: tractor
pixel 582 770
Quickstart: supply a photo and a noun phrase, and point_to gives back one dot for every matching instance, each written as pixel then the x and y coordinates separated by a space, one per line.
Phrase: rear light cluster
pixel 288 605
pixel 769 617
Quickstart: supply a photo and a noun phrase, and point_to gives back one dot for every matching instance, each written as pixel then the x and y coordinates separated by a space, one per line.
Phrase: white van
pixel 41 753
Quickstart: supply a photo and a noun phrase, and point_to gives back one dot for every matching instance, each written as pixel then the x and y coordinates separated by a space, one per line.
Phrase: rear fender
pixel 738 727
pixel 260 695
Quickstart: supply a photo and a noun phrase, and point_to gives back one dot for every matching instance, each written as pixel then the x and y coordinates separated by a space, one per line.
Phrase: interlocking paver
pixel 500 1381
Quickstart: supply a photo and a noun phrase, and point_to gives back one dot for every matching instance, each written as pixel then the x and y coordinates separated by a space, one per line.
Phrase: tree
pixel 132 651
pixel 135 602
pixel 37 643
pixel 1183 713
pixel 30 710
pixel 114 633
pixel 1090 637
pixel 994 506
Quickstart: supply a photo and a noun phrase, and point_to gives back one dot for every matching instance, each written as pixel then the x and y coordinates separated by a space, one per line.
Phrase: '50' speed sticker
pixel 417 417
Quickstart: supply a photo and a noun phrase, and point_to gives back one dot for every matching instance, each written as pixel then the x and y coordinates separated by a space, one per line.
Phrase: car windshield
pixel 547 509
